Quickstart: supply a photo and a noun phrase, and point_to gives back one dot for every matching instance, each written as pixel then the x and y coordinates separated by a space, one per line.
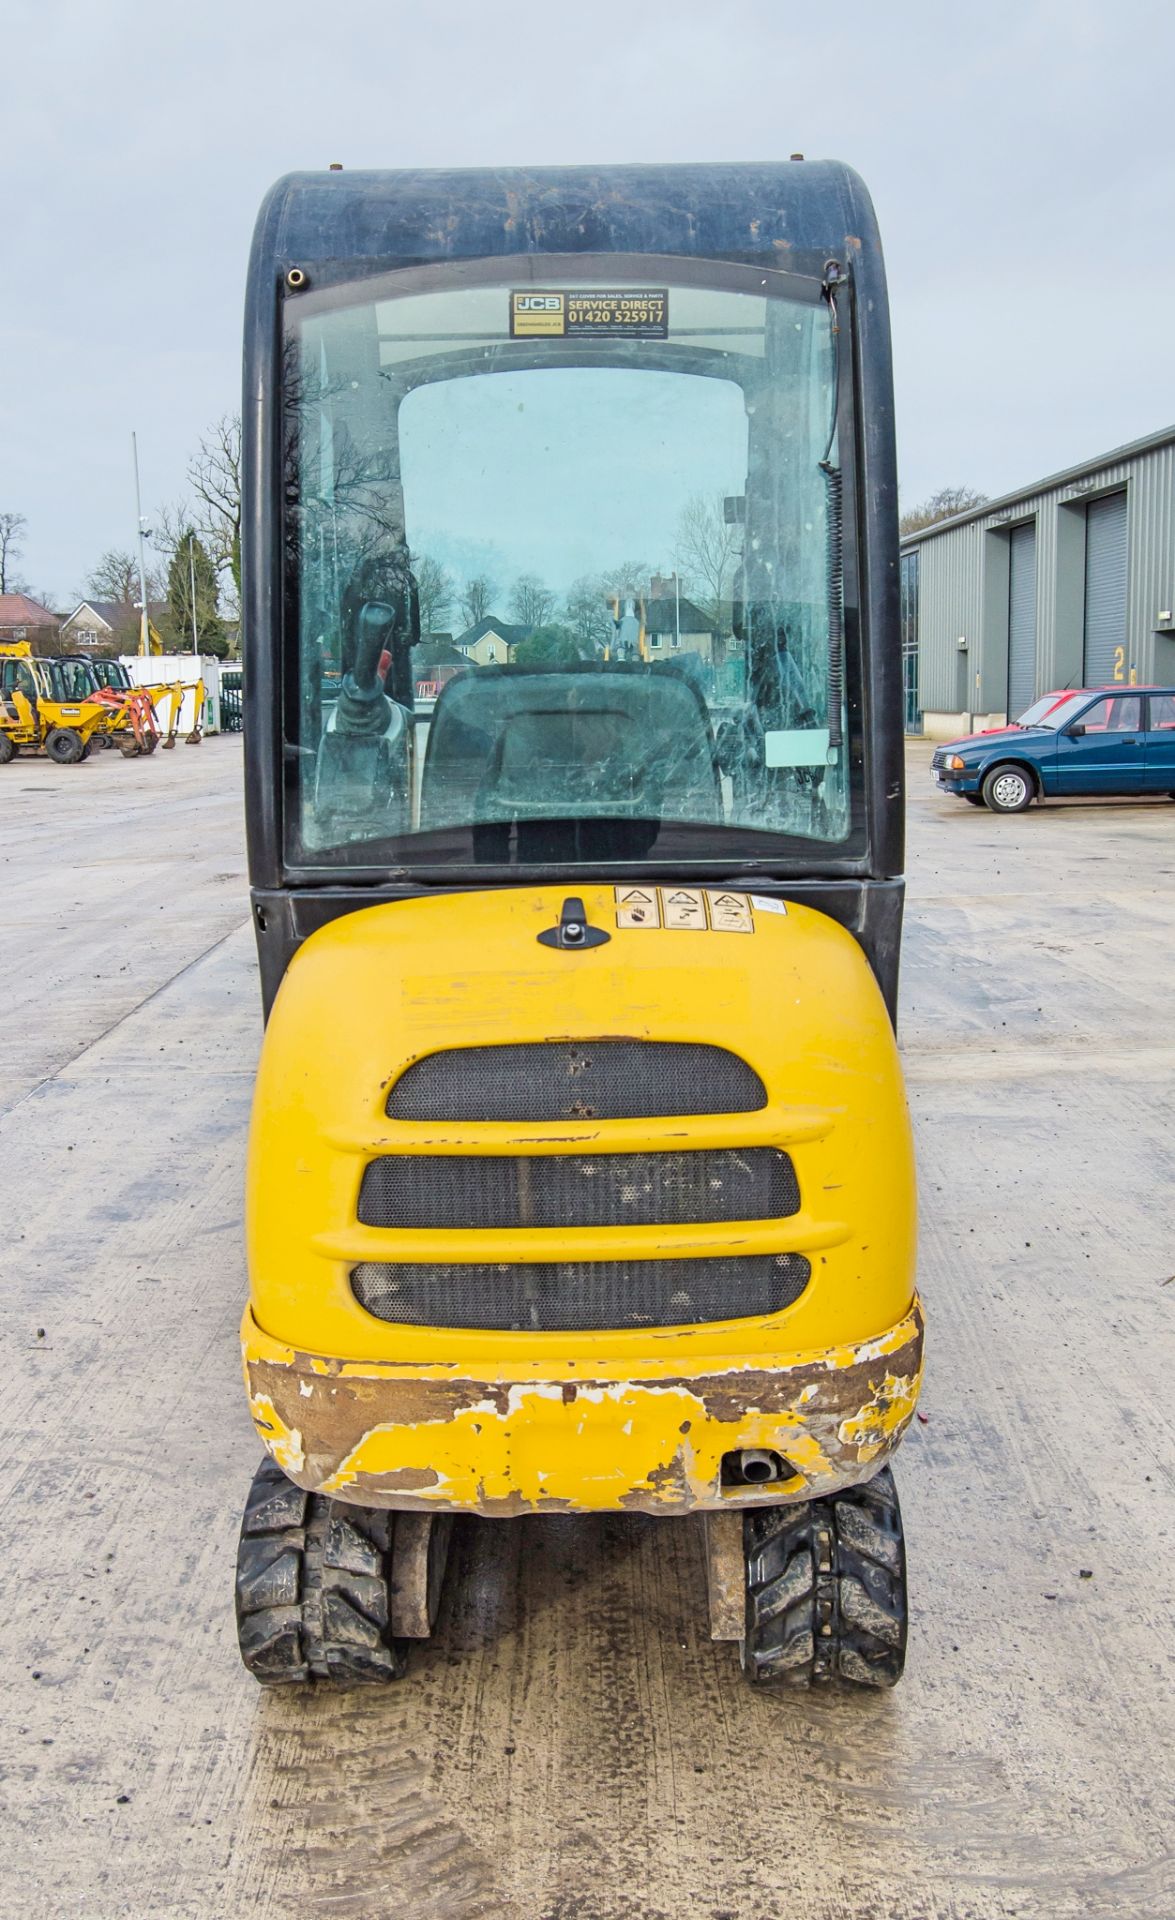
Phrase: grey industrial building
pixel 1067 583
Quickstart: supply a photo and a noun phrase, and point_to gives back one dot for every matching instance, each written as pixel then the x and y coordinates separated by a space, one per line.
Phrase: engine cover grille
pixel 576 1080
pixel 578 1190
pixel 580 1296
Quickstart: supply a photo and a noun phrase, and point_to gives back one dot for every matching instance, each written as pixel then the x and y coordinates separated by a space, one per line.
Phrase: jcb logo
pixel 534 314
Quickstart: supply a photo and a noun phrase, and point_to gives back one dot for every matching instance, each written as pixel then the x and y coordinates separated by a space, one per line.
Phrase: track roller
pixel 826 1590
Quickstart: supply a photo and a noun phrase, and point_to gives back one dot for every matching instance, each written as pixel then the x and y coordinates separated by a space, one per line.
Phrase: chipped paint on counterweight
pixel 419 1437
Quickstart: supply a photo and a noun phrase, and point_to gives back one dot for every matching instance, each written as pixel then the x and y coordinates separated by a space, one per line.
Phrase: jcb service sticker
pixel 590 313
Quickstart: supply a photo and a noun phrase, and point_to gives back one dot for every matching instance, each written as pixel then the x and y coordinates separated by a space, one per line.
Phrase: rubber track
pixel 826 1590
pixel 312 1589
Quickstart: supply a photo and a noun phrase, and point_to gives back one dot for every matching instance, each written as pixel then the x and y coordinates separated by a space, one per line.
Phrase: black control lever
pixel 363 707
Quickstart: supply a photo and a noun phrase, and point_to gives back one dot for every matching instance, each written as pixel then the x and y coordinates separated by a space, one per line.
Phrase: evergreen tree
pixel 550 646
pixel 190 562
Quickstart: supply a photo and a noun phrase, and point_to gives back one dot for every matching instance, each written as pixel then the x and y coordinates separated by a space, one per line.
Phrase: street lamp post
pixel 192 578
pixel 144 637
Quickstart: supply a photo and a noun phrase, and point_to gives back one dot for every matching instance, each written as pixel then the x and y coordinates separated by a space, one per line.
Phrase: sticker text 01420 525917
pixel 551 313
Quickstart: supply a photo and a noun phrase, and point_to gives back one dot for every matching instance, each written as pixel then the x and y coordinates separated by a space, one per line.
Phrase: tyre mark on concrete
pixel 339 1820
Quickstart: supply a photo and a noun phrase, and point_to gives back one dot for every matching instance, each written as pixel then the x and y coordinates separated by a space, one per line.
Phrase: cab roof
pixel 759 213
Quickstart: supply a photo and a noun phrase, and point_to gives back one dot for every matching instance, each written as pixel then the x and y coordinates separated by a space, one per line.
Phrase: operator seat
pixel 589 743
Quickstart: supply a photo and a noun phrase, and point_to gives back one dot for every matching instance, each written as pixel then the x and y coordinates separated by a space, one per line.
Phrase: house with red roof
pixel 23 618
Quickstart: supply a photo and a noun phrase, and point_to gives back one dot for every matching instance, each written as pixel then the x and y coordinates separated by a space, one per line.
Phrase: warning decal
pixel 637 907
pixel 730 913
pixel 628 313
pixel 684 907
pixel 689 909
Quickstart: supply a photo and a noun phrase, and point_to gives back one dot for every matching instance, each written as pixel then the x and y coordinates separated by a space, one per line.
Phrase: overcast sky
pixel 1021 158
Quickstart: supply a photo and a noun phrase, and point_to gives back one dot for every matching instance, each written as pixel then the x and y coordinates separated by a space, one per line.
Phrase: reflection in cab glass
pixel 565 597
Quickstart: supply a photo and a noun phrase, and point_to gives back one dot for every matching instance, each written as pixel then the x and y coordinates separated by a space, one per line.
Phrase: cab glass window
pixel 17 677
pixel 565 576
pixel 1120 713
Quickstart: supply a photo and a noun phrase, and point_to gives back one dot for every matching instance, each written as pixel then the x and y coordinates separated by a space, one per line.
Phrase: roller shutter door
pixel 1105 591
pixel 1021 620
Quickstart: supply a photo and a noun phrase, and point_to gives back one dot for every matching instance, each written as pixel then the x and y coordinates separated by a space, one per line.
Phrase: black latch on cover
pixel 573 930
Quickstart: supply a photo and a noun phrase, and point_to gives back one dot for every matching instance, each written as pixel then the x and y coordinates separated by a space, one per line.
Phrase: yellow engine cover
pixel 385 1413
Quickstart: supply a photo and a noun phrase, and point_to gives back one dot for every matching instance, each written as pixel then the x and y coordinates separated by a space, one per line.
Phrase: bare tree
pixel 116 578
pixel 530 601
pixel 589 614
pixel 707 553
pixel 943 505
pixel 475 598
pixel 170 524
pixel 629 579
pixel 435 591
pixel 12 527
pixel 214 475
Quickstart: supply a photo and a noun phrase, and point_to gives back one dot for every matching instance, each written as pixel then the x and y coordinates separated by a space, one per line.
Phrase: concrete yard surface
pixel 572 1746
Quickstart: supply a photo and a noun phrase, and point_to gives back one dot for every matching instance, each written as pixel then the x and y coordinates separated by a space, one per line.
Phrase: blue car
pixel 1093 741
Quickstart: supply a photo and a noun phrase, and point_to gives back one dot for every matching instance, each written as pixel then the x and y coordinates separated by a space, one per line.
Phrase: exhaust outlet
pixel 756 1465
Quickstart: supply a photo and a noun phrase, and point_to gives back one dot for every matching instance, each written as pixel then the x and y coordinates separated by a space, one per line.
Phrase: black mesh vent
pixel 579 1190
pixel 576 1080
pixel 581 1296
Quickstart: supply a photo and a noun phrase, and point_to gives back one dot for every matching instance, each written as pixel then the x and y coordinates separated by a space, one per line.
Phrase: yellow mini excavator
pixel 580 1174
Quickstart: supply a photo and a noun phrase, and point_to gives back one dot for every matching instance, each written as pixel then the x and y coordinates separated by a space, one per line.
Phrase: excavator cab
pixel 95 673
pixel 113 674
pixel 580 1173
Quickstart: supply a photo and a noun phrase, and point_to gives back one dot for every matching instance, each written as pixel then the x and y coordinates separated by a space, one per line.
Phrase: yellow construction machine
pixel 66 704
pixel 135 715
pixel 580 1176
pixel 41 710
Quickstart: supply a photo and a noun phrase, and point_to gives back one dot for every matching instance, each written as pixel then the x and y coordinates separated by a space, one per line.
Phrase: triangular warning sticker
pixel 684 908
pixel 637 907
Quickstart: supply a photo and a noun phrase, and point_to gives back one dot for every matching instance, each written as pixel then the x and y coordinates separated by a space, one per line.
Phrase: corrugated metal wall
pixel 949 593
pixel 1106 584
pixel 1021 618
pixel 963 587
pixel 1151 562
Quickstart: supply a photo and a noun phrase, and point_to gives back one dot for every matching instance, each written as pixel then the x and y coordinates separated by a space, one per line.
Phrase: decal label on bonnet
pixel 684 907
pixel 637 907
pixel 730 913
pixel 689 909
